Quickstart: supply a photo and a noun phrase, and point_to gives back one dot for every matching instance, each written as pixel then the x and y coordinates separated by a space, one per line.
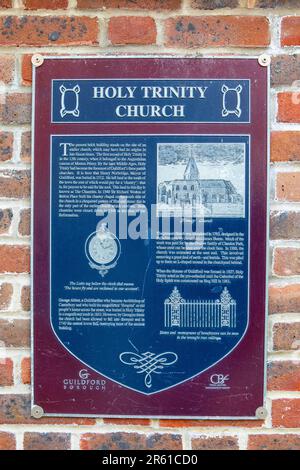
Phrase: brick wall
pixel 149 26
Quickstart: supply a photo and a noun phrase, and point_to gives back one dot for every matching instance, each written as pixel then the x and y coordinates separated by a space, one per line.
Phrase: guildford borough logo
pixel 84 383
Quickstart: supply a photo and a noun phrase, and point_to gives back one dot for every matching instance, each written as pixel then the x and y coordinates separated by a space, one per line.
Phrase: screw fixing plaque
pixel 261 412
pixel 264 60
pixel 37 411
pixel 37 60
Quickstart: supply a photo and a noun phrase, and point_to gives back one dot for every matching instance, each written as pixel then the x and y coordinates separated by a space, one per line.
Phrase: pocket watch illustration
pixel 102 249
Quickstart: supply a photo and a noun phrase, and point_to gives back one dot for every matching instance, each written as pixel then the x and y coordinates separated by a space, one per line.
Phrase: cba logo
pixel 218 381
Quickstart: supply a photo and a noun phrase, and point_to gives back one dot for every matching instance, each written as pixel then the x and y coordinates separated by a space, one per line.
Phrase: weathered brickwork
pixel 204 27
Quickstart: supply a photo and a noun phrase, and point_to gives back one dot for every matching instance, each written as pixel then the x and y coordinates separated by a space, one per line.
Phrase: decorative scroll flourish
pixel 148 363
pixel 69 95
pixel 230 96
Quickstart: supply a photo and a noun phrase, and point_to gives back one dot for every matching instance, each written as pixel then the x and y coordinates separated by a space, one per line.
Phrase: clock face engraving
pixel 103 248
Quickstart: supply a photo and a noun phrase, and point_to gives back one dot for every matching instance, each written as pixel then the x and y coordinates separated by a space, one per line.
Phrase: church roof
pixel 207 183
pixel 218 184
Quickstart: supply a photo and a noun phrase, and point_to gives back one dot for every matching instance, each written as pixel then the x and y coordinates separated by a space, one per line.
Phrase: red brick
pixel 189 423
pixel 290 31
pixel 6 216
pixel 16 409
pixel 274 442
pixel 6 291
pixel 286 413
pixel 26 370
pixel 25 298
pixel 284 299
pixel 130 5
pixel 286 261
pixel 215 443
pixel 6 372
pixel 48 30
pixel 285 69
pixel 14 184
pixel 288 107
pixel 26 147
pixel 217 31
pixel 6 146
pixel 212 4
pixel 15 333
pixel 273 3
pixel 132 30
pixel 130 441
pixel 286 336
pixel 288 186
pixel 285 225
pixel 285 145
pixel 7 439
pixel 47 441
pixel 127 421
pixel 7 68
pixel 16 108
pixel 45 4
pixel 26 70
pixel 24 224
pixel 14 259
pixel 5 3
pixel 284 376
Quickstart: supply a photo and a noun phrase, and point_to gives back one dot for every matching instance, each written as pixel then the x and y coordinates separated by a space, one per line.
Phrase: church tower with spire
pixel 191 171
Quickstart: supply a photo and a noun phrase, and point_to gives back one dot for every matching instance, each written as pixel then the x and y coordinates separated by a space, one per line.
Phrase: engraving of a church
pixel 218 196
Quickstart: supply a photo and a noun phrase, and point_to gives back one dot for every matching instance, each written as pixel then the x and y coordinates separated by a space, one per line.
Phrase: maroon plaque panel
pixel 150 183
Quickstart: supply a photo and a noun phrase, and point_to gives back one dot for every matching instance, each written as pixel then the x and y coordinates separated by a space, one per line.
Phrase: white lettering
pixel 150 111
pixel 111 92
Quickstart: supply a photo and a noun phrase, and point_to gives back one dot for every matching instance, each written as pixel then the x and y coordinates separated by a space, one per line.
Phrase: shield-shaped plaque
pixel 151 312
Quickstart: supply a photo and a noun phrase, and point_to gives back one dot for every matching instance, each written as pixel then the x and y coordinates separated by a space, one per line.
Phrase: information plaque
pixel 149 230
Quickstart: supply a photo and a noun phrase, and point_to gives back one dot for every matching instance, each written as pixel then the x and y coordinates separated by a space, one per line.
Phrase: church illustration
pixel 218 196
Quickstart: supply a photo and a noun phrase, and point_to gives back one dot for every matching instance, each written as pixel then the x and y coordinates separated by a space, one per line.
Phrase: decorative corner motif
pixel 69 96
pixel 37 412
pixel 37 60
pixel 231 95
pixel 148 363
pixel 264 60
